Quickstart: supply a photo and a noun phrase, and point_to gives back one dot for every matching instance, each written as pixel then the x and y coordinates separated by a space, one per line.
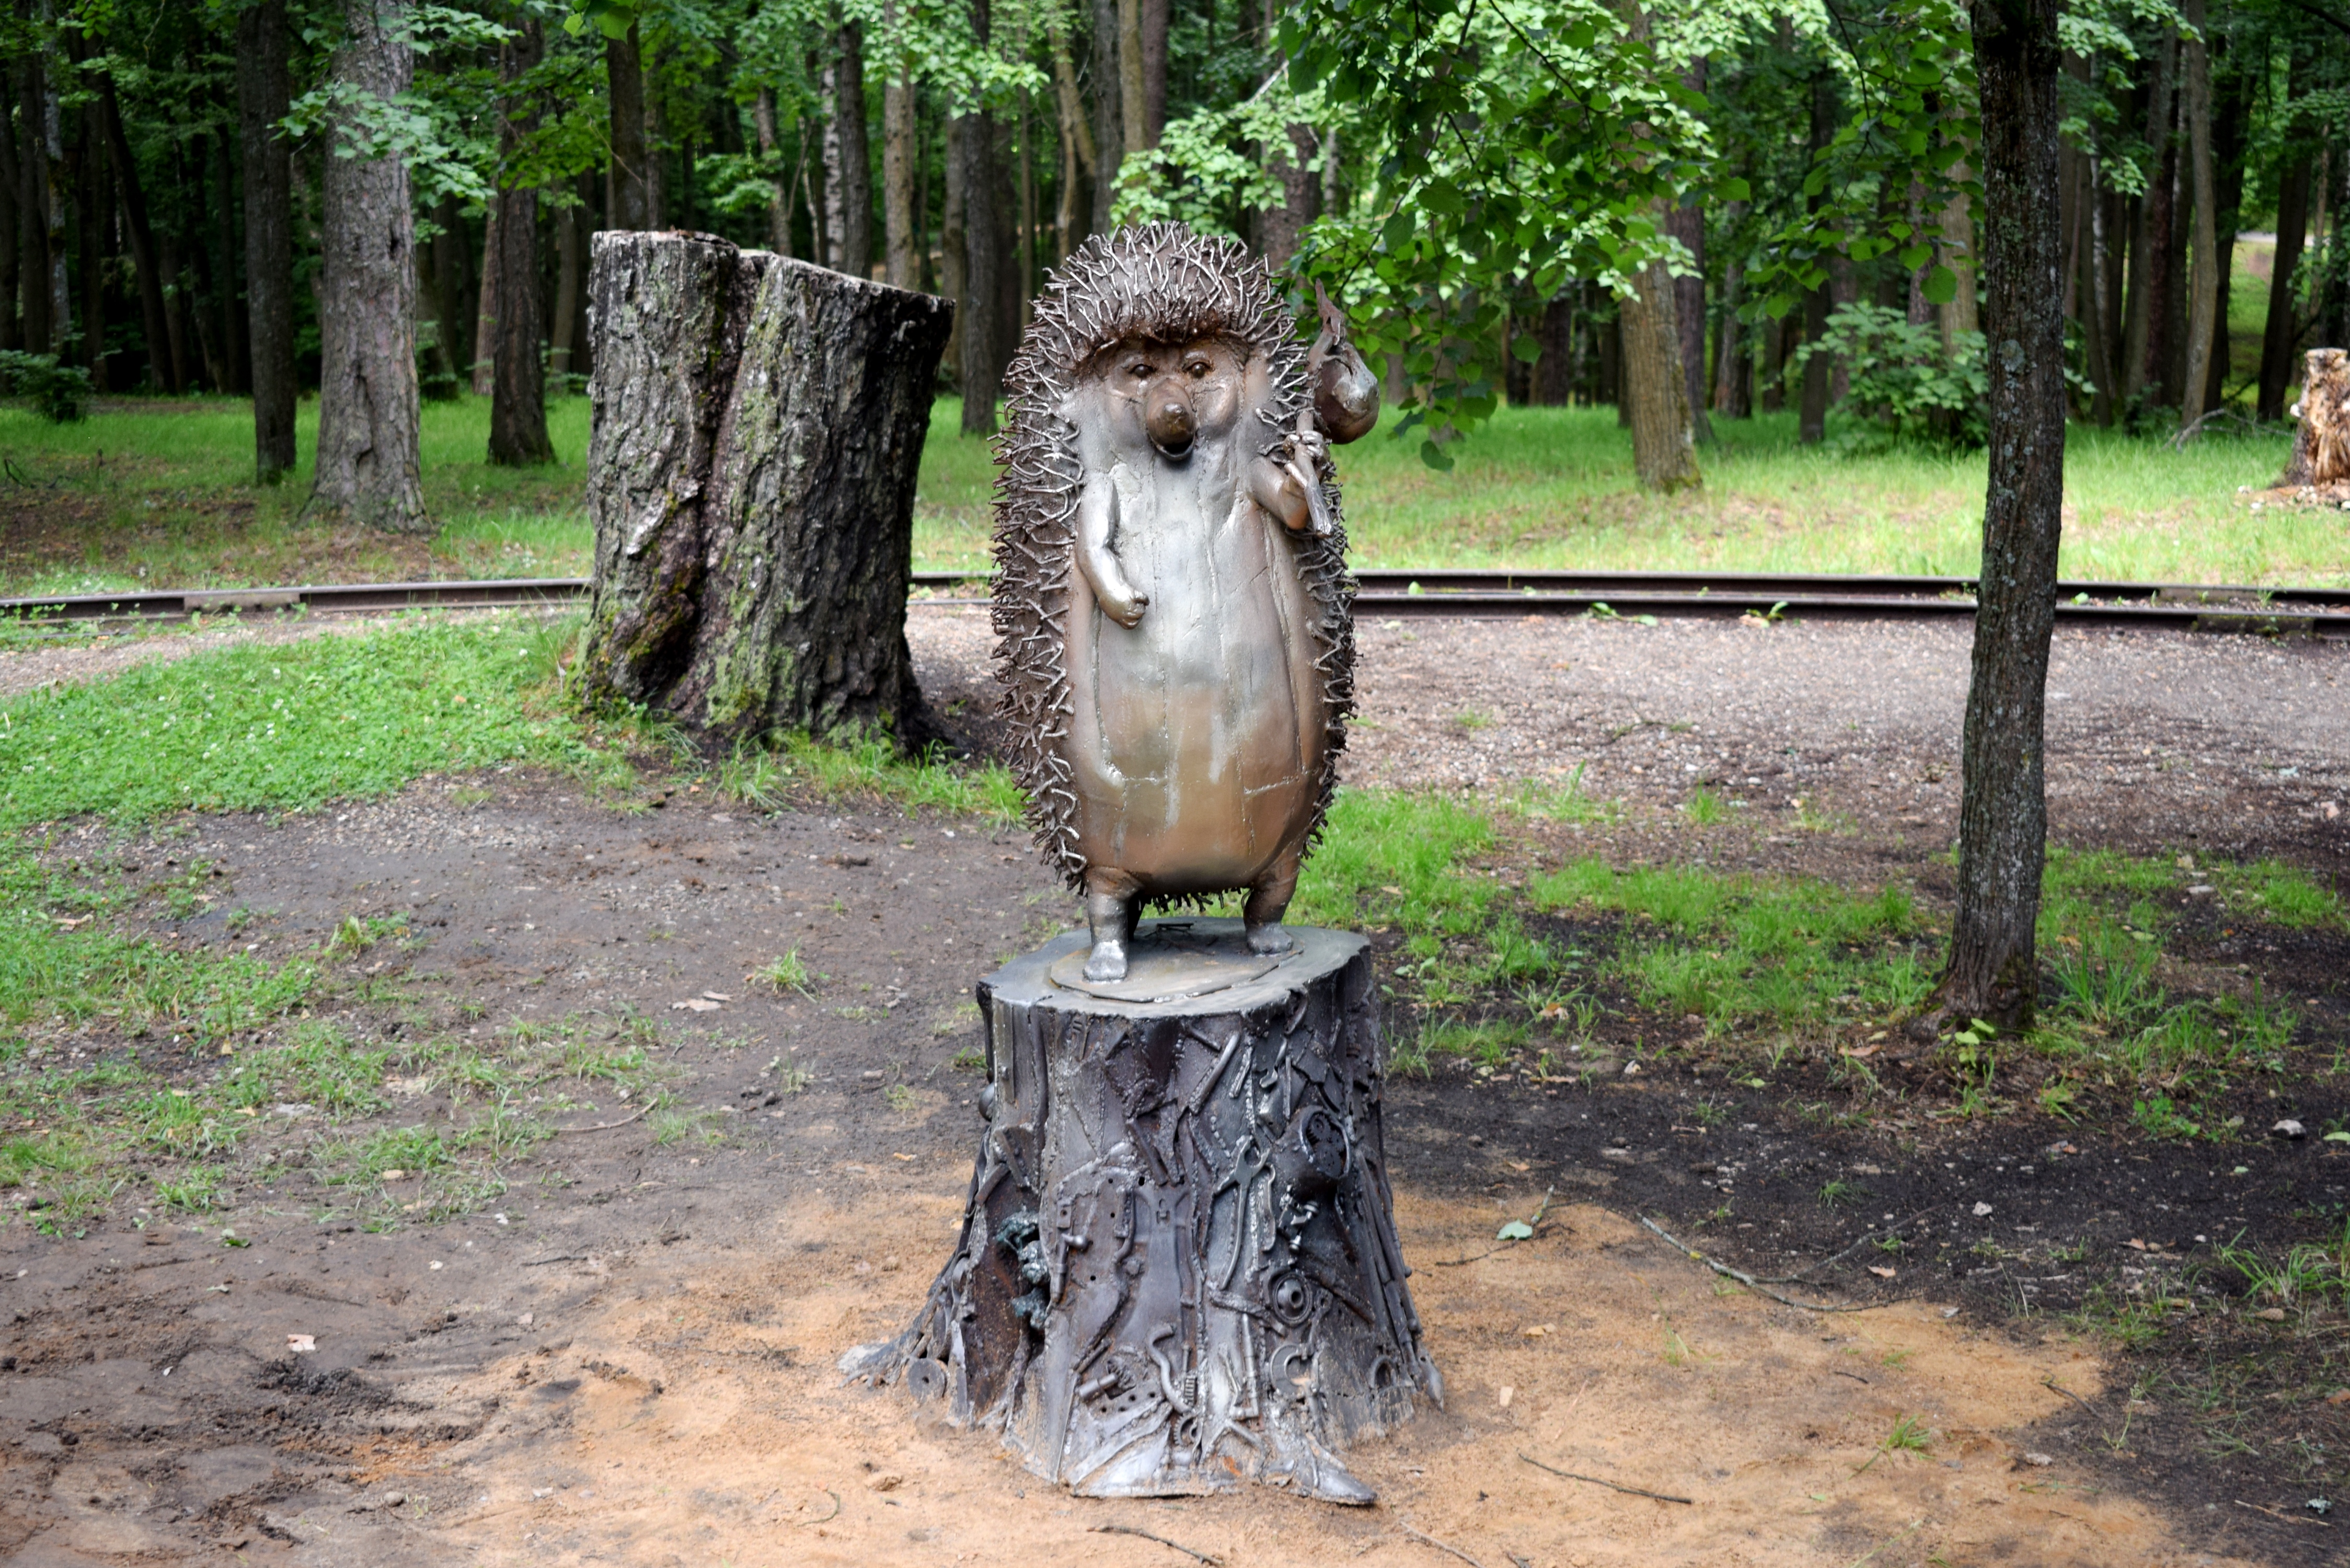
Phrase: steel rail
pixel 1382 594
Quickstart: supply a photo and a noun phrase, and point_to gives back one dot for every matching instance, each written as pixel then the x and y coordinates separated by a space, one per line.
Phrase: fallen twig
pixel 1803 1276
pixel 827 1518
pixel 1503 1247
pixel 607 1127
pixel 562 1257
pixel 1743 1277
pixel 1426 1540
pixel 2288 1518
pixel 1611 1486
pixel 2059 1388
pixel 1172 1545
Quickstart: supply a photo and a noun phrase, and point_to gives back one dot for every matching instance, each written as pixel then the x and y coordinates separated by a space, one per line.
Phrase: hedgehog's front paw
pixel 1107 960
pixel 1269 940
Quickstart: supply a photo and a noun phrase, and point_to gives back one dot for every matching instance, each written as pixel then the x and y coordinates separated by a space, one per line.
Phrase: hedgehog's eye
pixel 1198 367
pixel 1139 369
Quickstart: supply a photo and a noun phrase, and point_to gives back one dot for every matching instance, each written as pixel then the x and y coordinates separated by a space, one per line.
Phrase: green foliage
pixel 1903 380
pixel 767 773
pixel 57 391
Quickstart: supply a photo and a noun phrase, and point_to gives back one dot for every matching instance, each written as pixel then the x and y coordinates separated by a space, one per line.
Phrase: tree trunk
pixel 2149 228
pixel 899 130
pixel 2232 114
pixel 2203 294
pixel 758 423
pixel 1300 185
pixel 570 264
pixel 233 330
pixel 1165 1285
pixel 1109 112
pixel 1993 970
pixel 262 94
pixel 624 74
pixel 779 186
pixel 1734 377
pixel 12 190
pixel 367 468
pixel 2277 341
pixel 983 259
pixel 1656 385
pixel 1812 421
pixel 855 237
pixel 87 160
pixel 1080 166
pixel 45 322
pixel 480 374
pixel 1133 95
pixel 954 243
pixel 517 373
pixel 2095 344
pixel 1156 17
pixel 1554 385
pixel 162 371
pixel 1685 220
pixel 656 145
pixel 2321 447
pixel 452 350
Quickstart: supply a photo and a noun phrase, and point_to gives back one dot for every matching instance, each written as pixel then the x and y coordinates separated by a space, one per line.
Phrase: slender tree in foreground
pixel 367 468
pixel 1993 970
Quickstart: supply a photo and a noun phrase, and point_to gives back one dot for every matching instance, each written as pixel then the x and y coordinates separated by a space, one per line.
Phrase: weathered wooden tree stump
pixel 1178 1268
pixel 757 426
pixel 2321 447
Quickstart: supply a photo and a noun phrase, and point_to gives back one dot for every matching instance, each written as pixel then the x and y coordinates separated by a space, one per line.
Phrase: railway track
pixel 1384 595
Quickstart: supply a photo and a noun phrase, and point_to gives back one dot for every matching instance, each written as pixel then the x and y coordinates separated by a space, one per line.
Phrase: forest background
pixel 1727 222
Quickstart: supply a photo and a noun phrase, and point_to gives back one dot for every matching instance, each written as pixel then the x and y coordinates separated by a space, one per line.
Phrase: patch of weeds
pixel 2159 1117
pixel 1564 802
pixel 1407 1054
pixel 899 1097
pixel 1705 809
pixel 791 1077
pixel 672 1125
pixel 970 1059
pixel 1909 1436
pixel 1839 1192
pixel 1490 1043
pixel 1473 720
pixel 868 766
pixel 784 973
pixel 195 1189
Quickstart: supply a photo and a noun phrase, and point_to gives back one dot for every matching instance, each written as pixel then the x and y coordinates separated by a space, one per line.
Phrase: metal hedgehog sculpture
pixel 1171 598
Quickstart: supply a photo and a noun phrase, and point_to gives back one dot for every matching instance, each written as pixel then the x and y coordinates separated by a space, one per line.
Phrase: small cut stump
pixel 2321 447
pixel 1178 1268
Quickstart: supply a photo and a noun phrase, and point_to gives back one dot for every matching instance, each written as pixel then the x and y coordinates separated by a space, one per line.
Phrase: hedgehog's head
pixel 1175 395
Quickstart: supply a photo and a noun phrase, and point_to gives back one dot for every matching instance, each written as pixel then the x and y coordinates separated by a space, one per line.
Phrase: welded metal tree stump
pixel 1177 1268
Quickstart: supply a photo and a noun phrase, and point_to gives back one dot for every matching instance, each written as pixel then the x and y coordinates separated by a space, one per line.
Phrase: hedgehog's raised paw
pixel 1269 940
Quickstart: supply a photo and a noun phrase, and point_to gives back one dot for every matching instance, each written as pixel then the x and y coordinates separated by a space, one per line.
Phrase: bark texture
pixel 2203 289
pixel 1656 386
pixel 1178 1268
pixel 856 166
pixel 263 86
pixel 903 263
pixel 1993 970
pixel 2321 447
pixel 517 373
pixel 2280 330
pixel 757 426
pixel 627 204
pixel 367 468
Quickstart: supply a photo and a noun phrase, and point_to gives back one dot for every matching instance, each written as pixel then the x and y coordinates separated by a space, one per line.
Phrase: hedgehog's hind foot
pixel 1267 902
pixel 1110 906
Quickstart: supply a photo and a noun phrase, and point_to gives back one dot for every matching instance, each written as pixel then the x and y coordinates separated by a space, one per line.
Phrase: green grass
pixel 871 768
pixel 160 493
pixel 1553 488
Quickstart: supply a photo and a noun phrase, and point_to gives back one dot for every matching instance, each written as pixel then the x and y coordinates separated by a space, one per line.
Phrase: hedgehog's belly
pixel 1195 745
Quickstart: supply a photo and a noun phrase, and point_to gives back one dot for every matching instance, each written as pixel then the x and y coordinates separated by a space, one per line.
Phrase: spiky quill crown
pixel 1159 282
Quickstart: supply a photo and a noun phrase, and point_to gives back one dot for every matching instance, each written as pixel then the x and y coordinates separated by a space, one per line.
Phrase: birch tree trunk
pixel 1080 171
pixel 262 91
pixel 779 186
pixel 1993 970
pixel 366 468
pixel 758 423
pixel 2203 296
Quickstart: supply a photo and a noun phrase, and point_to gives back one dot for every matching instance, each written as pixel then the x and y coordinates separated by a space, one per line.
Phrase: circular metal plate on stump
pixel 1172 960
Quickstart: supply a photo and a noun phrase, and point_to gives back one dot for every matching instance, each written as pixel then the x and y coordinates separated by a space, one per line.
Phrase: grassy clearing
pixel 1553 488
pixel 869 768
pixel 1518 968
pixel 160 493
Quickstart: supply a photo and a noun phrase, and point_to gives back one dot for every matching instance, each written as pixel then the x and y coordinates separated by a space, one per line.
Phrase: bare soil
pixel 627 1355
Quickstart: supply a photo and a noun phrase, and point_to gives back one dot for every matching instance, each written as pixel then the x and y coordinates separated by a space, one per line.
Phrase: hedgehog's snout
pixel 1169 419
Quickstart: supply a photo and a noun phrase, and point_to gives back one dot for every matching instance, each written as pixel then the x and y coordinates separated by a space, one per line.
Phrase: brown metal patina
pixel 1176 647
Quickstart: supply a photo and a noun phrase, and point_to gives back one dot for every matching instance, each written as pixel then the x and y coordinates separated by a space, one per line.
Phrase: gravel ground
pixel 2237 743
